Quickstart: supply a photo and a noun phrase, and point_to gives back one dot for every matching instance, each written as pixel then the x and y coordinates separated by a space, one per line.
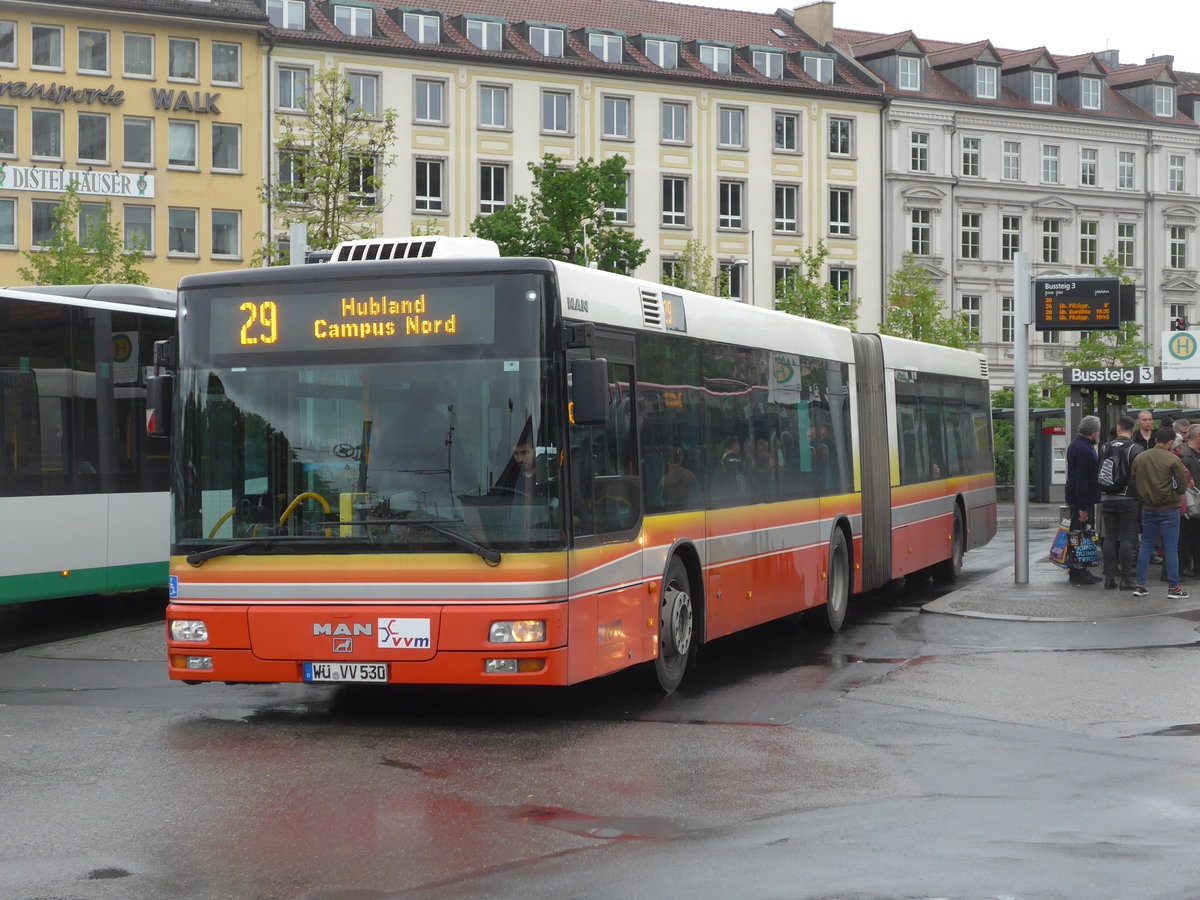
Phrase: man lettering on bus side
pixel 1083 486
pixel 1159 478
pixel 1119 511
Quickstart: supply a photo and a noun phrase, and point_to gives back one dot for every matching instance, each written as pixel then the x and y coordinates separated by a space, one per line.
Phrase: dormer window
pixel 607 47
pixel 546 41
pixel 664 54
pixel 719 59
pixel 1089 92
pixel 286 14
pixel 1164 100
pixel 352 20
pixel 423 29
pixel 819 68
pixel 768 63
pixel 1043 88
pixel 985 82
pixel 908 77
pixel 484 35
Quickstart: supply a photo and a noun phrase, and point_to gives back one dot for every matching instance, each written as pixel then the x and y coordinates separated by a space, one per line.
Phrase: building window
pixel 93 138
pixel 972 307
pixel 1175 173
pixel 287 14
pixel 364 89
pixel 1010 161
pixel 719 59
pixel 671 270
pixel 841 212
pixel 732 121
pixel 46 51
pixel 91 221
pixel 139 228
pixel 1010 237
pixel 674 123
pixel 41 223
pixel 972 226
pixel 920 231
pixel 769 64
pixel 842 280
pixel 546 41
pixel 293 88
pixel 363 183
pixel 226 233
pixel 139 141
pixel 664 54
pixel 674 200
pixel 139 56
pixel 787 206
pixel 1008 320
pixel 484 35
pixel 1087 166
pixel 616 117
pixel 226 63
pixel 1088 242
pixel 730 213
pixel 841 137
pixel 93 51
pixel 556 112
pixel 1178 247
pixel 181 231
pixel 493 106
pixel 819 68
pixel 1051 250
pixel 909 77
pixel 1125 169
pixel 1051 337
pixel 787 132
pixel 970 156
pixel 607 47
pixel 352 20
pixel 1126 240
pixel 620 213
pixel 428 196
pixel 493 187
pixel 1089 92
pixel 181 144
pixel 787 278
pixel 8 130
pixel 1180 311
pixel 226 147
pixel 733 273
pixel 1049 164
pixel 429 96
pixel 918 151
pixel 422 28
pixel 47 133
pixel 182 54
pixel 1164 100
pixel 8 46
pixel 985 82
pixel 1043 88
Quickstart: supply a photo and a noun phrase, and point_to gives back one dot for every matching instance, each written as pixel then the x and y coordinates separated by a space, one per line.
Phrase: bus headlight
pixel 526 631
pixel 188 630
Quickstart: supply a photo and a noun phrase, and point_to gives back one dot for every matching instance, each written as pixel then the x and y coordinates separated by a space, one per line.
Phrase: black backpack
pixel 1114 468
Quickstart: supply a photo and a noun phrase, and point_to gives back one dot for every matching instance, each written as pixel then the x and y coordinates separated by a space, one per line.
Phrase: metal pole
pixel 1022 298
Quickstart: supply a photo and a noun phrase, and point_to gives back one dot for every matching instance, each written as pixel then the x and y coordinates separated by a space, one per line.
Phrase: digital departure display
pixel 1070 304
pixel 331 320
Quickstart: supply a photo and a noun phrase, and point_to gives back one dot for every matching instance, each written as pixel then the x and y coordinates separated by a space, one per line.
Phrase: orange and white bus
pixel 423 463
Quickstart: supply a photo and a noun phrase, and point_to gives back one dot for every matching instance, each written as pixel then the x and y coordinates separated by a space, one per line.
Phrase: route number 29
pixel 262 319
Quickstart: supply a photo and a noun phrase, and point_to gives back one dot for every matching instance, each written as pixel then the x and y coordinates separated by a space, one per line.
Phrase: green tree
pixel 331 164
pixel 695 270
pixel 915 310
pixel 95 254
pixel 808 293
pixel 568 216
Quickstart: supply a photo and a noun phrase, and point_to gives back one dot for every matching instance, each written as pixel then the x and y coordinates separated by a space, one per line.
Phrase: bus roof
pixel 155 301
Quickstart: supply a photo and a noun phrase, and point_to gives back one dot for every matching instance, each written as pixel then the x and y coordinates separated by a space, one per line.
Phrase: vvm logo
pixel 784 371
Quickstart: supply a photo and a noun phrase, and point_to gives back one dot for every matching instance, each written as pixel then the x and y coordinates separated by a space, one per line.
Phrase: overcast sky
pixel 1138 29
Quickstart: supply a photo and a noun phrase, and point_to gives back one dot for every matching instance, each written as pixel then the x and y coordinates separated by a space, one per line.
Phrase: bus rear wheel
pixel 676 627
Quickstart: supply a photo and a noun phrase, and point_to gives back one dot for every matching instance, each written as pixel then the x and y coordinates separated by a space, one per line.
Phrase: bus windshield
pixel 372 444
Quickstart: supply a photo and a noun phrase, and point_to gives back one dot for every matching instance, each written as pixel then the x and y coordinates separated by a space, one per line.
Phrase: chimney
pixel 816 20
pixel 1169 60
pixel 1111 58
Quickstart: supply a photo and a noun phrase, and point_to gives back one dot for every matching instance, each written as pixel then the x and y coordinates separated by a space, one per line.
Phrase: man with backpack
pixel 1119 506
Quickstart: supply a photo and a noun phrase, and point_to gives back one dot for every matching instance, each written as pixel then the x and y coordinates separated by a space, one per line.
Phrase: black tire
pixel 676 627
pixel 831 616
pixel 948 570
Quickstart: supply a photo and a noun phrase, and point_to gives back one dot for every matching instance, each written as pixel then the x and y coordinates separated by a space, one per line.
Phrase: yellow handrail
pixel 313 495
pixel 221 521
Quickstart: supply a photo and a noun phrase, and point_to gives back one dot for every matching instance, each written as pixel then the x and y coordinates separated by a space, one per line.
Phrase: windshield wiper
pixel 488 554
pixel 194 559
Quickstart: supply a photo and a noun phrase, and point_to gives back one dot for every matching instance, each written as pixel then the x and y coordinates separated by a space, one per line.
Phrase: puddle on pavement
pixel 1192 730
pixel 110 872
pixel 603 827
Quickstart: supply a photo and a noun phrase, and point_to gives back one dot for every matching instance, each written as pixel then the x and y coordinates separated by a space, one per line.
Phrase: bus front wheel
pixel 832 614
pixel 948 570
pixel 676 627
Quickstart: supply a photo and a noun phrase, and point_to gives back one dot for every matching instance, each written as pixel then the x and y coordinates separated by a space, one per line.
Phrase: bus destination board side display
pixel 1076 304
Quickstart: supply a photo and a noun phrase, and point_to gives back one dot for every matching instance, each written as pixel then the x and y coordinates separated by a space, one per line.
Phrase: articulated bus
pixel 423 463
pixel 84 504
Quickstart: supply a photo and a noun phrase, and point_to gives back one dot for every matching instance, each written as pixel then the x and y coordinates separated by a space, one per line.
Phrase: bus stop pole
pixel 1023 300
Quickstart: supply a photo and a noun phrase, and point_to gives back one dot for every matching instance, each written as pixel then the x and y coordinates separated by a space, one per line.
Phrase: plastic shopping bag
pixel 1060 547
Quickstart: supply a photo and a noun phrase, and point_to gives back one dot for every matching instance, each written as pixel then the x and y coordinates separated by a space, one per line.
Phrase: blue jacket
pixel 1083 470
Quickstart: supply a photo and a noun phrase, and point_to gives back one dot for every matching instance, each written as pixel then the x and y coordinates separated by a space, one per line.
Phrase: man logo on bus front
pixel 343 645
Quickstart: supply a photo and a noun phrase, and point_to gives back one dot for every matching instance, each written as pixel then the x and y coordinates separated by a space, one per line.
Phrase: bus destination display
pixel 1077 304
pixel 307 321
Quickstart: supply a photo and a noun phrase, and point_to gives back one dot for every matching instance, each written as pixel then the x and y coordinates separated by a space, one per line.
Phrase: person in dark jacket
pixel 1119 508
pixel 1083 488
pixel 1159 477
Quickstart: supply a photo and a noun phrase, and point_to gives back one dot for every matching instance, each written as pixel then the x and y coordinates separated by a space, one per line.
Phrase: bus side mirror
pixel 589 392
pixel 159 389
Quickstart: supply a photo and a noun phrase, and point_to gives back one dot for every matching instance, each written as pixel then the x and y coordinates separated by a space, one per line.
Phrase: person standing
pixel 1159 478
pixel 1189 529
pixel 1083 488
pixel 1145 433
pixel 1119 508
pixel 1181 426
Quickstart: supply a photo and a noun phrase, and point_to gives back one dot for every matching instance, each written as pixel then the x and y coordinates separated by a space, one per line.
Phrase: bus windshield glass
pixel 359 415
